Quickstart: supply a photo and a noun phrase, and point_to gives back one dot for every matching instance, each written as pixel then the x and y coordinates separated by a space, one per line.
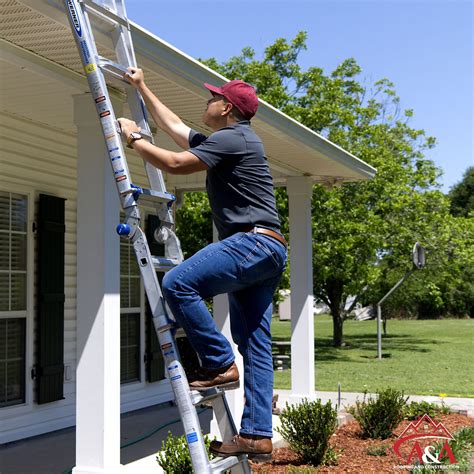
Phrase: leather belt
pixel 270 233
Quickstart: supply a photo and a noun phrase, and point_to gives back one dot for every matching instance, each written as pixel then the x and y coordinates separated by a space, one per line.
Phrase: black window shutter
pixel 49 368
pixel 155 368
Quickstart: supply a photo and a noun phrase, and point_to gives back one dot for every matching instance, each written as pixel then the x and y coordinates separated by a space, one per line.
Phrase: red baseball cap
pixel 240 94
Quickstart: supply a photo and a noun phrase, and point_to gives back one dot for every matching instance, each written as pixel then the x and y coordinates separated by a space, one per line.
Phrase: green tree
pixel 194 222
pixel 359 225
pixel 446 286
pixel 462 195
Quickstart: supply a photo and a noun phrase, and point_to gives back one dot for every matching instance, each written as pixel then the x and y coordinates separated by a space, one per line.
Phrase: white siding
pixel 42 159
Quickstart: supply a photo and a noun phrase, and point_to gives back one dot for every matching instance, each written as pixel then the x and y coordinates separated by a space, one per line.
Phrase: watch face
pixel 134 136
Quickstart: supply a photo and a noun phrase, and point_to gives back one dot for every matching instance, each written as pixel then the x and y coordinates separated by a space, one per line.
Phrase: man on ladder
pixel 246 263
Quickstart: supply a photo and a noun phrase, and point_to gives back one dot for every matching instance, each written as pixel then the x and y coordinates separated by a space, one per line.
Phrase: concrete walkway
pixel 54 453
pixel 464 406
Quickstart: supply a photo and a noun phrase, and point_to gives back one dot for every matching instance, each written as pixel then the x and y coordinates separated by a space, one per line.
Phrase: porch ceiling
pixel 40 70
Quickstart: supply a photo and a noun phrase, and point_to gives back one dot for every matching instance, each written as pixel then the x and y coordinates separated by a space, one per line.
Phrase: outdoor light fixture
pixel 419 258
pixel 419 261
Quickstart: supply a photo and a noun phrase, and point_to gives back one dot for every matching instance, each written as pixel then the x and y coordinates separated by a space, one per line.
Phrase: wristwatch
pixel 133 137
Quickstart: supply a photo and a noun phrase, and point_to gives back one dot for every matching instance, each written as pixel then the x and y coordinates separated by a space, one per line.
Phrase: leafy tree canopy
pixel 361 231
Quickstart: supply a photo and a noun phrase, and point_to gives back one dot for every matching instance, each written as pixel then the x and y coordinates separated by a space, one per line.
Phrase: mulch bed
pixel 353 451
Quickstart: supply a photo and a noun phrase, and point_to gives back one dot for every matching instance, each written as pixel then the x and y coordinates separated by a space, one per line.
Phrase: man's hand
pixel 135 77
pixel 127 127
pixel 168 121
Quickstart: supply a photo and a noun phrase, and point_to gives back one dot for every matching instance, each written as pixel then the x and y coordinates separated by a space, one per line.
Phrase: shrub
pixel 307 427
pixel 174 457
pixel 462 447
pixel 416 410
pixel 379 416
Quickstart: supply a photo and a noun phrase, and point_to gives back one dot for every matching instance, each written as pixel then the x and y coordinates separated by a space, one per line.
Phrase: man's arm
pixel 167 120
pixel 169 161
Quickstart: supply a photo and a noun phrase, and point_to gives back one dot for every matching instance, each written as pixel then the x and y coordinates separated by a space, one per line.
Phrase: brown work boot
pixel 226 377
pixel 256 447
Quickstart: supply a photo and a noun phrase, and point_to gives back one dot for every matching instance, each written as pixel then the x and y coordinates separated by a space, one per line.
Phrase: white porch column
pixel 235 398
pixel 301 280
pixel 98 300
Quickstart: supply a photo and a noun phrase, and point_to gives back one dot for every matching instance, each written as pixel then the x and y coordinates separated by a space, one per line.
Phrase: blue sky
pixel 424 46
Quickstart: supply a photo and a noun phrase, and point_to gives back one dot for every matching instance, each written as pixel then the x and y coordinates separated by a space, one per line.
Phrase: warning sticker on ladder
pixel 90 68
pixel 192 437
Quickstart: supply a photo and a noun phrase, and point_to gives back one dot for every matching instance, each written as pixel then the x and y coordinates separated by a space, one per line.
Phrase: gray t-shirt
pixel 239 184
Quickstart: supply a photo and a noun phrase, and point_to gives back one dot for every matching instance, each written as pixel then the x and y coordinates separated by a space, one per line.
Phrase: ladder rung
pixel 151 197
pixel 112 68
pixel 163 264
pixel 221 464
pixel 104 13
pixel 206 396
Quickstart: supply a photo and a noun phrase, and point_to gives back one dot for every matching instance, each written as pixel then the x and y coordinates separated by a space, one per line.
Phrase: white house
pixel 73 324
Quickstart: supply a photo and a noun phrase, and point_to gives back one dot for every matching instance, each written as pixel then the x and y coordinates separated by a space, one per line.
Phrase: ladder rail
pixel 95 66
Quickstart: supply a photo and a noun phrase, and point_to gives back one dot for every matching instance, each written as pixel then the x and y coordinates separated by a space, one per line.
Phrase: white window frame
pixel 28 314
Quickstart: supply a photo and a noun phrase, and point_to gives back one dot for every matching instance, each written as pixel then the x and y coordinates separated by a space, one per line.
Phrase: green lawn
pixel 426 357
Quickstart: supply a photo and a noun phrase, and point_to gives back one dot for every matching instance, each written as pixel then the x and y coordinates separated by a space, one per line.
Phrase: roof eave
pixel 191 71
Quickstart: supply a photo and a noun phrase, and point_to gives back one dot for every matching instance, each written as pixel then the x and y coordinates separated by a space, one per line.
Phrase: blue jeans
pixel 247 267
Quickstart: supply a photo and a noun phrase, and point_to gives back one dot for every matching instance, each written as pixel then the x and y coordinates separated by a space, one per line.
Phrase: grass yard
pixel 426 357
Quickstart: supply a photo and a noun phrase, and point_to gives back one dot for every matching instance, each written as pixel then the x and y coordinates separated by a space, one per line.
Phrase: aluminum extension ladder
pixel 111 16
